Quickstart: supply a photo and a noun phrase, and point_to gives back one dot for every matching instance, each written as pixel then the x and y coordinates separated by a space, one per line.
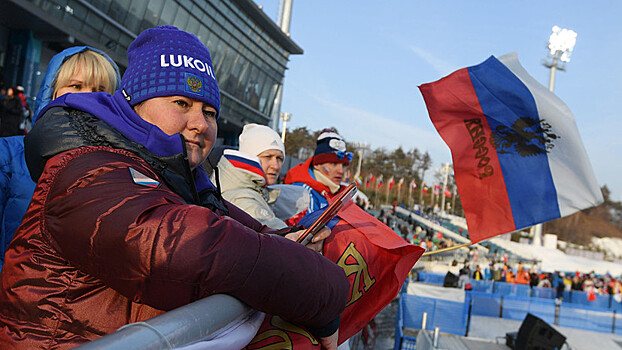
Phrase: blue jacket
pixel 16 186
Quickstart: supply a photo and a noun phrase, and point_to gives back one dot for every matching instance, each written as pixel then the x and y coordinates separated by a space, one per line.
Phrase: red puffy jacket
pixel 97 250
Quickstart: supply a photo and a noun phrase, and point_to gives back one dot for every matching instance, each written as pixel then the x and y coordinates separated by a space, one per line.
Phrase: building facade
pixel 249 51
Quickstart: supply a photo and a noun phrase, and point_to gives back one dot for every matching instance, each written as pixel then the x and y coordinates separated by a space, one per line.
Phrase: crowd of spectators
pixel 412 232
pixel 590 283
pixel 496 266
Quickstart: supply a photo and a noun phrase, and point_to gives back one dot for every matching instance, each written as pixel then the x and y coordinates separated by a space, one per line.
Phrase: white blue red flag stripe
pixel 244 161
pixel 518 157
pixel 142 179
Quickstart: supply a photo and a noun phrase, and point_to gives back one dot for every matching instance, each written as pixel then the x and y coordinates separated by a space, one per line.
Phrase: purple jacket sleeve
pixel 150 246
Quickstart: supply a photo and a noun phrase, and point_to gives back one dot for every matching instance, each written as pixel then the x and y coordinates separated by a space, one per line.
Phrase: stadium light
pixel 285 117
pixel 561 43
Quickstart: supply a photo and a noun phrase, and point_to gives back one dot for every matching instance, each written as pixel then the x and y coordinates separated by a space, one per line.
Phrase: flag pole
pixel 447 249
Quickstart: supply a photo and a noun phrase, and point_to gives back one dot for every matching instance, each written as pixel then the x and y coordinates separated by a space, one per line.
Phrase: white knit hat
pixel 256 138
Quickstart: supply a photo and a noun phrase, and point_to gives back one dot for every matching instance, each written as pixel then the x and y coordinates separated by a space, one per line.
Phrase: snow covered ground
pixel 556 260
pixel 611 245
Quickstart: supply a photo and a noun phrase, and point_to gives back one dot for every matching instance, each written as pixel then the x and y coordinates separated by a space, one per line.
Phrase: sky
pixel 364 60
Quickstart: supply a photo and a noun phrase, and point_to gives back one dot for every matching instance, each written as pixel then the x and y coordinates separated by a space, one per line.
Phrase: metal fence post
pixel 558 303
pixel 468 325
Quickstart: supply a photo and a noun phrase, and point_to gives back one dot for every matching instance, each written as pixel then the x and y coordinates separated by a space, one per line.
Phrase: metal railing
pixel 185 325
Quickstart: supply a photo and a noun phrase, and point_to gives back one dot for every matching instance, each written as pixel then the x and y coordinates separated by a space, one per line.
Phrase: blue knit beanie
pixel 166 61
pixel 331 148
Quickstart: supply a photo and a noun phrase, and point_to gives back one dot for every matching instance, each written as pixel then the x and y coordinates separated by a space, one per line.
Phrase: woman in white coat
pixel 248 177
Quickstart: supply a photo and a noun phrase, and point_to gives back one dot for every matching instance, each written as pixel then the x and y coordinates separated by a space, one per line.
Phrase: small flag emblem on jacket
pixel 142 179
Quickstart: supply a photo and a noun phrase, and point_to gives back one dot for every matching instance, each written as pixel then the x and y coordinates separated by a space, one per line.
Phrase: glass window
pixel 152 14
pixel 94 21
pixel 251 95
pixel 204 36
pixel 91 32
pixel 169 12
pixel 55 10
pixel 230 79
pixel 67 15
pixel 118 49
pixel 241 71
pixel 193 26
pixel 102 5
pixel 111 31
pixel 181 18
pixel 263 89
pixel 72 21
pixel 208 21
pixel 219 55
pixel 78 11
pixel 270 98
pixel 135 15
pixel 125 41
pixel 117 12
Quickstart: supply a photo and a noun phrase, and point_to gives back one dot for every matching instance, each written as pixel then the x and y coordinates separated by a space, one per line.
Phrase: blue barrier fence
pixel 453 317
pixel 523 290
pixel 450 316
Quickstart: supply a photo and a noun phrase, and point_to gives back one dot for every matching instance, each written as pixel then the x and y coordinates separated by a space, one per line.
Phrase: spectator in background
pixel 12 114
pixel 496 273
pixel 488 271
pixel 477 274
pixel 576 283
pixel 74 70
pixel 246 174
pixel 321 175
pixel 509 276
pixel 522 276
pixel 463 279
pixel 534 279
pixel 544 282
pixel 559 285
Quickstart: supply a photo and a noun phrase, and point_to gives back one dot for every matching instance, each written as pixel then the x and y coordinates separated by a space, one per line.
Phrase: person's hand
pixel 317 243
pixel 330 342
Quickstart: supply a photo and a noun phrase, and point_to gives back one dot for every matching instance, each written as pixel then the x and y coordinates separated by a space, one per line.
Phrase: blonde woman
pixel 74 70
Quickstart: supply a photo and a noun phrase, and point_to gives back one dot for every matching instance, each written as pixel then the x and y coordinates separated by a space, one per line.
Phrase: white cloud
pixel 441 66
pixel 359 125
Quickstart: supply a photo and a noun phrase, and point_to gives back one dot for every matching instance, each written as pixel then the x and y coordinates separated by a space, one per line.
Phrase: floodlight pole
pixel 553 68
pixel 285 117
pixel 561 44
pixel 360 149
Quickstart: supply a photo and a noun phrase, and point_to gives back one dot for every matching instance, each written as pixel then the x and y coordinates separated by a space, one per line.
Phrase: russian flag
pixel 518 157
pixel 244 161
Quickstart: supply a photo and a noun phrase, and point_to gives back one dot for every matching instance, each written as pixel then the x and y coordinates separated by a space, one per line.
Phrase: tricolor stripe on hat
pixel 244 161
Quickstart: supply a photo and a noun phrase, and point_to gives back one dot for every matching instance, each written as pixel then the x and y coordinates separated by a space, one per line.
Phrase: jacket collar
pixel 301 173
pixel 114 111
